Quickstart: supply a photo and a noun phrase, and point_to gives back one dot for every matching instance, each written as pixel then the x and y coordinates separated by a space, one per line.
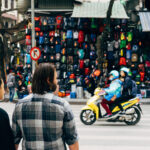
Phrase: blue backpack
pixel 58 48
pixel 41 39
pixel 69 34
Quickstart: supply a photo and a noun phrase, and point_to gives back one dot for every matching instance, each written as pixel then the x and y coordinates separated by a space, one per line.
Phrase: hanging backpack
pixel 128 54
pixel 52 33
pixel 59 22
pixel 123 44
pixel 63 51
pixel 69 43
pixel 46 40
pixel 75 35
pixel 122 61
pixel 58 48
pixel 70 60
pixel 94 23
pixel 69 34
pixel 129 36
pixel 44 22
pixel 134 57
pixel 92 55
pixel 28 40
pixel 51 23
pixel 72 23
pixel 135 48
pixel 76 51
pixel 52 50
pixel 58 57
pixel 93 38
pixel 70 51
pixel 81 64
pixel 41 39
pixel 76 44
pixel 81 37
pixel 87 71
pixel 52 41
pixel 81 53
pixel 81 24
pixel 46 49
pixel 37 24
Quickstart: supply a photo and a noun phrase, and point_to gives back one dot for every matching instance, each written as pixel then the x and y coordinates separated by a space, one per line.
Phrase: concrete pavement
pixel 105 135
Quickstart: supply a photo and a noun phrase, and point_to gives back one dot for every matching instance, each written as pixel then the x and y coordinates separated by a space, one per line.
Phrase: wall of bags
pixel 70 44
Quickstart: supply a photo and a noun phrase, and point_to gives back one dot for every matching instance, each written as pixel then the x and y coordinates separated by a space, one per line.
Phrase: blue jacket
pixel 113 89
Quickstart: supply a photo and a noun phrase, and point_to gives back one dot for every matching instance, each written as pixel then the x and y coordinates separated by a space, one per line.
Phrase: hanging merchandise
pixel 129 36
pixel 28 40
pixel 75 35
pixel 122 61
pixel 81 53
pixel 81 64
pixel 51 23
pixel 41 39
pixel 37 24
pixel 134 57
pixel 59 22
pixel 47 49
pixel 81 37
pixel 44 23
pixel 69 34
pixel 94 23
pixel 128 54
pixel 58 57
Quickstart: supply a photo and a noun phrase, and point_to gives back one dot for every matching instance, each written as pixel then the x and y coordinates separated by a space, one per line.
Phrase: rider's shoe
pixel 108 115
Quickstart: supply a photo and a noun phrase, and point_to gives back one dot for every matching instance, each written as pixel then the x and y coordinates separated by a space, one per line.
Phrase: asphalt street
pixel 105 135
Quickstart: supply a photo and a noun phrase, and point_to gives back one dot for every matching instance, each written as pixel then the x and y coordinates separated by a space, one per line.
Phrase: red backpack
pixel 81 64
pixel 122 61
pixel 59 22
pixel 81 37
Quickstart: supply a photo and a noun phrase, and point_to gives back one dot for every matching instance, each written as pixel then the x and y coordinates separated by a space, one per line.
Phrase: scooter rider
pixel 112 92
pixel 129 88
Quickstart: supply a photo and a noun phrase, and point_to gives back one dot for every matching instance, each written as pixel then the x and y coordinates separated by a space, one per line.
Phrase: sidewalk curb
pixel 83 101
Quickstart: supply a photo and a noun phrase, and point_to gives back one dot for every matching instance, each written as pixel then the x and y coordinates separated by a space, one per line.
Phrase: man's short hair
pixel 43 73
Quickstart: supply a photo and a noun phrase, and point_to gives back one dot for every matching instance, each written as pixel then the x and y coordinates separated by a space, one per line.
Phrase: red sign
pixel 35 53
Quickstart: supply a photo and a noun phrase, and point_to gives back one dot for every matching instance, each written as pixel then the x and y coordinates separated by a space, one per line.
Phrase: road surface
pixel 106 136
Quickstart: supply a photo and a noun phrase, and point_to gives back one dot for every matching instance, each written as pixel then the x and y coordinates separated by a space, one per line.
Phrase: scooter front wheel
pixel 88 117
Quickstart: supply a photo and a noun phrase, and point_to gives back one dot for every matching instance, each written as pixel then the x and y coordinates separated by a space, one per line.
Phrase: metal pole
pixel 33 32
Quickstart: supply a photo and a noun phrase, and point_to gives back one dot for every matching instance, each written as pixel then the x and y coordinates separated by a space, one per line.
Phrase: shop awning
pixel 99 10
pixel 145 21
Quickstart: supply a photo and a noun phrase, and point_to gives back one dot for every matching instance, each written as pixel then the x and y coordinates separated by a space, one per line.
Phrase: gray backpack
pixel 10 81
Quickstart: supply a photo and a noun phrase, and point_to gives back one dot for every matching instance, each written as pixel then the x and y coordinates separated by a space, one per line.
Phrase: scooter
pixel 92 111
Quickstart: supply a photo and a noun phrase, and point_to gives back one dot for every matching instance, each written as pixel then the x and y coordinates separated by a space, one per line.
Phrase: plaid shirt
pixel 45 122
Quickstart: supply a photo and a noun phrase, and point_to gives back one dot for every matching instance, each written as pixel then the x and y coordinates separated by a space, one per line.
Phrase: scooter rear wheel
pixel 88 117
pixel 136 116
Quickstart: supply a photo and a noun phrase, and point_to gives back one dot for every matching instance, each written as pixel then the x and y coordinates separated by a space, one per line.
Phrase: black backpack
pixel 134 88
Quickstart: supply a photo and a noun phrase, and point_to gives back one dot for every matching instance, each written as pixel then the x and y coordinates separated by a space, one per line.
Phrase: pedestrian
pixel 43 120
pixel 6 135
pixel 11 85
pixel 21 89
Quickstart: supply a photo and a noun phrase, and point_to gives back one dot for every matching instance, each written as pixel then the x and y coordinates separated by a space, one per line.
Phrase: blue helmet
pixel 115 74
pixel 125 69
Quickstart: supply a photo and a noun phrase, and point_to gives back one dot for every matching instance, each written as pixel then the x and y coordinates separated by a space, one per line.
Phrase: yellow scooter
pixel 92 111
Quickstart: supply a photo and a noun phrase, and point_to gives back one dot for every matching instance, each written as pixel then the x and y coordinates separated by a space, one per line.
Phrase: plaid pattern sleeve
pixel 69 128
pixel 16 128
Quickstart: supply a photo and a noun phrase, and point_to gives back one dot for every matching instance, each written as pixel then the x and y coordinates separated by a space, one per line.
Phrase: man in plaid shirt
pixel 43 120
